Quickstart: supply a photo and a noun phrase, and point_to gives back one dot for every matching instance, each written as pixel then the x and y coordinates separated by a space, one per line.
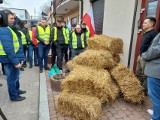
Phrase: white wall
pixel 118 18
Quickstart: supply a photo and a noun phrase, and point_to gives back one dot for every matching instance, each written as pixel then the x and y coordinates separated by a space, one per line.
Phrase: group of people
pixel 64 43
pixel 18 43
pixel 148 65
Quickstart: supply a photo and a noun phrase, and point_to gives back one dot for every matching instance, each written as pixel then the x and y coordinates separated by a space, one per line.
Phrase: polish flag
pixel 88 18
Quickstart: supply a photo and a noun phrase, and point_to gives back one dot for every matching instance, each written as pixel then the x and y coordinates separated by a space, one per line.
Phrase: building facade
pixel 115 18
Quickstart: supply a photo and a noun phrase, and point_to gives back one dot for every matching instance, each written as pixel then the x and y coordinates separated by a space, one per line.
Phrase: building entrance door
pixel 149 8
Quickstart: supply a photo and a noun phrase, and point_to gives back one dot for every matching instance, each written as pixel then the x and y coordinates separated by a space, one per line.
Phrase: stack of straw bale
pixel 81 107
pixel 128 83
pixel 90 84
pixel 89 81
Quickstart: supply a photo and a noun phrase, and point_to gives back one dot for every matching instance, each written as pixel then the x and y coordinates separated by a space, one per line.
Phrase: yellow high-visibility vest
pixel 65 34
pixel 23 37
pixel 87 34
pixel 74 40
pixel 15 43
pixel 44 34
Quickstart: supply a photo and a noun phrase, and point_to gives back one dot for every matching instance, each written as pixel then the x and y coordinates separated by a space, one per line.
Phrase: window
pixel 74 21
pixel 151 9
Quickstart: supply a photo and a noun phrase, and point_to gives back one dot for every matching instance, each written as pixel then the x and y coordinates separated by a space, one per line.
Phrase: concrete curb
pixel 43 103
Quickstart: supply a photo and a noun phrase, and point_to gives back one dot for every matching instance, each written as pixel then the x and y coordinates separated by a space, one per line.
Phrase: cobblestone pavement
pixel 119 110
pixel 27 109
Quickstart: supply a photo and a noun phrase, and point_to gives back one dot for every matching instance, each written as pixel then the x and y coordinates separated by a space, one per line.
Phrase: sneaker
pixel 47 68
pixel 41 71
pixel 22 91
pixel 150 111
pixel 20 98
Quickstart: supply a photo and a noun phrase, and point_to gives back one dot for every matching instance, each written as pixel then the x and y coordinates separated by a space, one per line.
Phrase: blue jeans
pixel 43 51
pixel 31 49
pixel 154 93
pixel 76 52
pixel 12 75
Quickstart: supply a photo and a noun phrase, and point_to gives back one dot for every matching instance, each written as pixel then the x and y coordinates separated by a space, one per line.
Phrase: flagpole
pixel 81 9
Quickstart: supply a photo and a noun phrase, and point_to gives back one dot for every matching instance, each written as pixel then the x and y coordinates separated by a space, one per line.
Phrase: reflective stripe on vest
pixel 45 35
pixel 23 37
pixel 15 43
pixel 66 37
pixel 74 40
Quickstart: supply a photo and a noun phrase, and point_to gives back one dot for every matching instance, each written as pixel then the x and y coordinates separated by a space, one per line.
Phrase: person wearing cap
pixel 43 33
pixel 77 41
pixel 11 54
pixel 85 30
pixel 60 41
pixel 67 46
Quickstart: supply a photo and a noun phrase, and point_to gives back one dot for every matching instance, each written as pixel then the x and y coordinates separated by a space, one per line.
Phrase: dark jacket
pixel 146 40
pixel 60 37
pixel 6 39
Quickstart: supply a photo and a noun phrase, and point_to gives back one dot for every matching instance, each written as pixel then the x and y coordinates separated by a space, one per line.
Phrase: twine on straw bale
pixel 128 83
pixel 88 81
pixel 81 107
pixel 102 42
pixel 97 59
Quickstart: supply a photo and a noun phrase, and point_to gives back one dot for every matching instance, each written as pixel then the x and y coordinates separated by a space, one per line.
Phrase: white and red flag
pixel 88 18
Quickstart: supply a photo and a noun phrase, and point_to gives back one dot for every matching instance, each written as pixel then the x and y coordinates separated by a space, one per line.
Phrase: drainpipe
pixel 81 9
pixel 132 34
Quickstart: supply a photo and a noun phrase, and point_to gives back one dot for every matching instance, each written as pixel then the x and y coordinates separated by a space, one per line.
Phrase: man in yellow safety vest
pixel 60 40
pixel 11 54
pixel 77 41
pixel 43 33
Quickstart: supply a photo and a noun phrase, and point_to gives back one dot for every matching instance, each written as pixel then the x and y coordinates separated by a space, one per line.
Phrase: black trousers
pixel 60 49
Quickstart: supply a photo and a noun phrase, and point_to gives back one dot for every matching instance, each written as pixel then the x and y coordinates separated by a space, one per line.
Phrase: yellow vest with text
pixel 74 40
pixel 65 34
pixel 23 37
pixel 45 35
pixel 15 43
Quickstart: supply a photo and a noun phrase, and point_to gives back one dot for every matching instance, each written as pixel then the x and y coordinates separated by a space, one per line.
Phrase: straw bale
pixel 71 64
pixel 115 89
pixel 81 107
pixel 88 81
pixel 128 83
pixel 116 58
pixel 103 42
pixel 97 59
